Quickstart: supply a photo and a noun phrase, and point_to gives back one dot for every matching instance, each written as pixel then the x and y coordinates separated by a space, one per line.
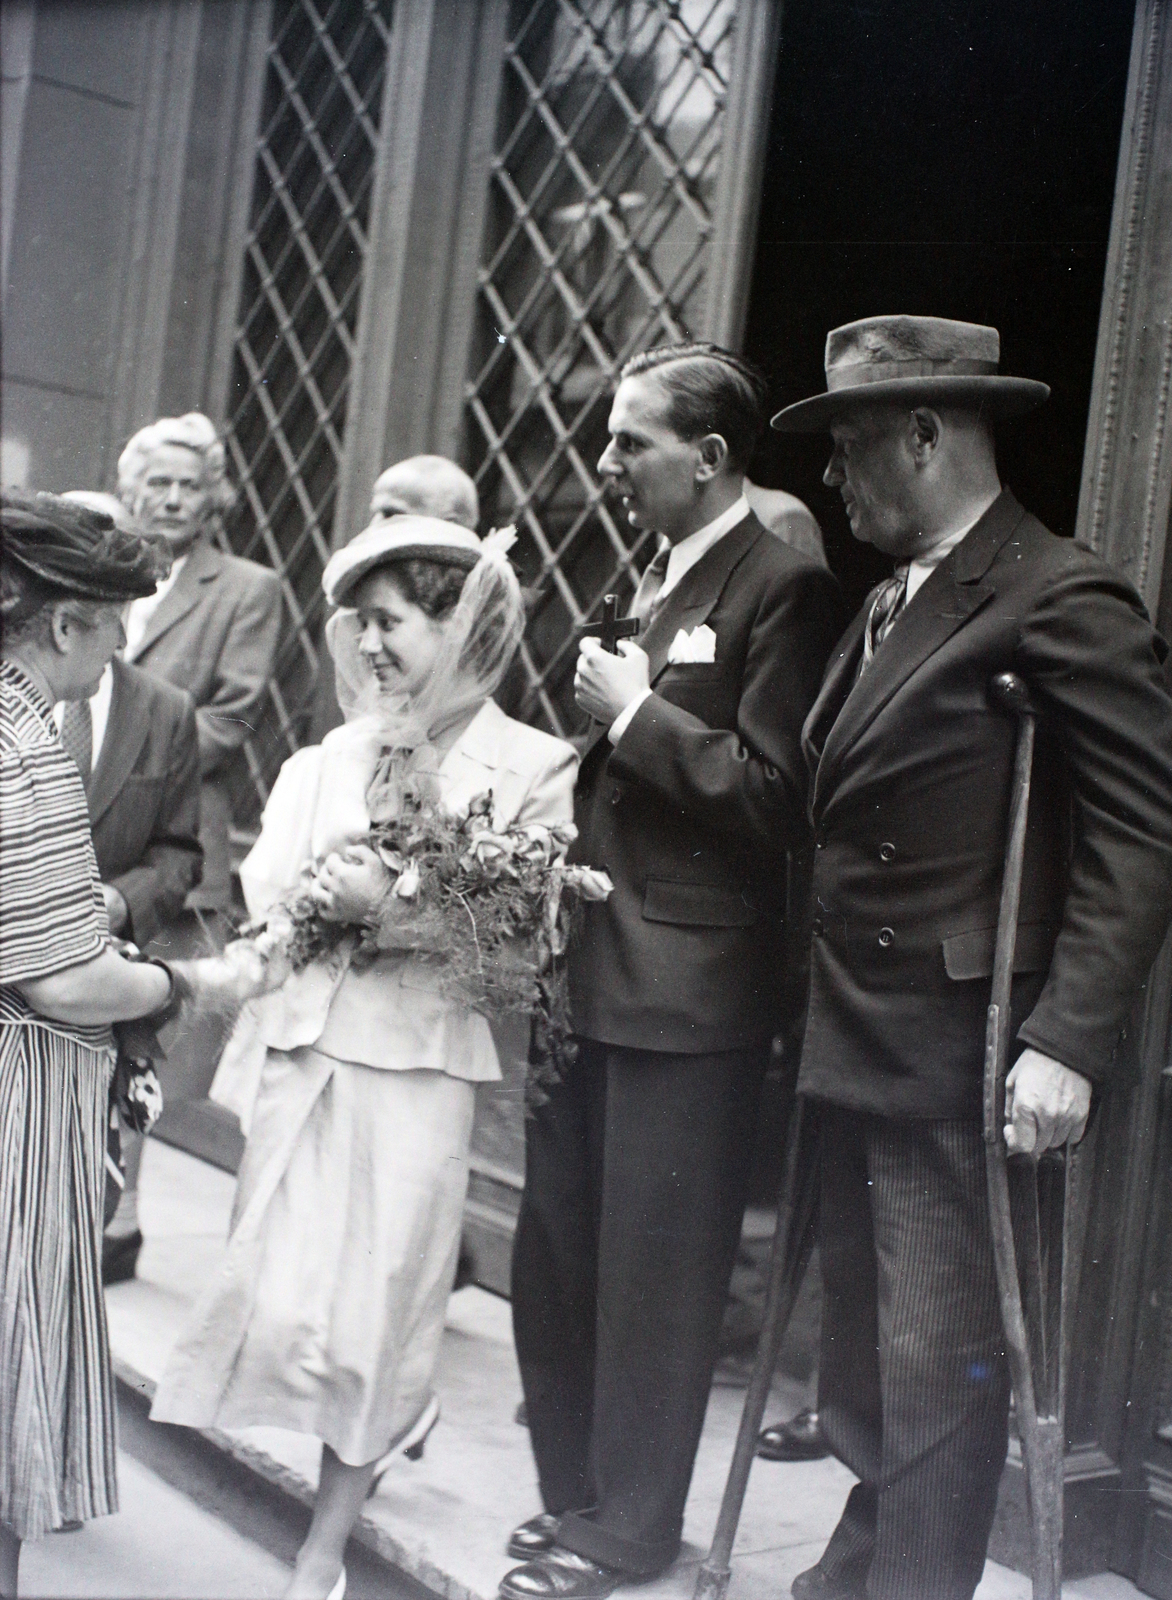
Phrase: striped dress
pixel 57 1423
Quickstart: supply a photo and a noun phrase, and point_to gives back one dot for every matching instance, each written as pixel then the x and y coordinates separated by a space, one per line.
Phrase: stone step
pixel 444 1520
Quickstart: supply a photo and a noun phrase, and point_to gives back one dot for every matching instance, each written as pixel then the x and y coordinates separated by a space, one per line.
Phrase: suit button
pixel 816 927
pixel 887 852
pixel 615 796
pixel 886 937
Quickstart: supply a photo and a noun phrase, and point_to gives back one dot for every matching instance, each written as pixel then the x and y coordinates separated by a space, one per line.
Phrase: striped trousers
pixel 913 1385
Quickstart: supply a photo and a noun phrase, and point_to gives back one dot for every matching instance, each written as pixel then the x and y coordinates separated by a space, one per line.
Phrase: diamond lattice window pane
pixel 599 231
pixel 305 253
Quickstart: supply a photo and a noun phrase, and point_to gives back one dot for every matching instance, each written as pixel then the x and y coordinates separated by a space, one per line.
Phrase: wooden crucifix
pixel 612 628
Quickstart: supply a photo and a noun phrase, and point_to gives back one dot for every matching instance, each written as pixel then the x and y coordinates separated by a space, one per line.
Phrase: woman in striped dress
pixel 65 575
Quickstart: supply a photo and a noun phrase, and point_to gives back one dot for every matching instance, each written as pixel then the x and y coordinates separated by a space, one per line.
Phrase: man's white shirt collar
pixel 683 558
pixel 918 572
pixel 685 555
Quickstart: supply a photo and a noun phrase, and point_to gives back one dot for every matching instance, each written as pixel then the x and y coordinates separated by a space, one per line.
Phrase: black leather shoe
pixel 813 1584
pixel 535 1537
pixel 120 1257
pixel 800 1439
pixel 560 1575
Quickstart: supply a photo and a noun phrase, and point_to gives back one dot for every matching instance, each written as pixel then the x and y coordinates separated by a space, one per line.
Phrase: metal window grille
pixel 597 241
pixel 294 349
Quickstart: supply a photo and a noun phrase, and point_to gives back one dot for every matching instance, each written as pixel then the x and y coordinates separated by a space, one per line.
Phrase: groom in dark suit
pixel 911 766
pixel 692 789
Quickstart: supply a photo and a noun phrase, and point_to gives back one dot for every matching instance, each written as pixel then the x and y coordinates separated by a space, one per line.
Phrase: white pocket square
pixel 693 648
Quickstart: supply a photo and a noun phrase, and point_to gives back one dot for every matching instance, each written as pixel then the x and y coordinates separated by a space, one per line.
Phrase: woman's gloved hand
pixel 223 982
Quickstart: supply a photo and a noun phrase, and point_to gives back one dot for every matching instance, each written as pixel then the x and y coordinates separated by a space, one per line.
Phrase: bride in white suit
pixel 327 1315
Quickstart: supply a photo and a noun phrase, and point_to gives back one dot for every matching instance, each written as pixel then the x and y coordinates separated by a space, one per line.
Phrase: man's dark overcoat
pixel 911 773
pixel 693 811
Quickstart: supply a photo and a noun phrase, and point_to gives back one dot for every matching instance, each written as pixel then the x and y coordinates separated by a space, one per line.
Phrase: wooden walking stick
pixel 793 1240
pixel 1051 1209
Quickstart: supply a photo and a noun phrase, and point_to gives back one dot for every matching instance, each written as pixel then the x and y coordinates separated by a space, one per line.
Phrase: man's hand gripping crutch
pixel 1037 1215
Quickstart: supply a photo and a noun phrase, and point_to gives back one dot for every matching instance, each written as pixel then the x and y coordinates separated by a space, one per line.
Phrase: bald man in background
pixel 428 486
pixel 431 486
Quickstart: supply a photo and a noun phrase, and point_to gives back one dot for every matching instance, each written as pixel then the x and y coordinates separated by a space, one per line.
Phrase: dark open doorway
pixel 955 160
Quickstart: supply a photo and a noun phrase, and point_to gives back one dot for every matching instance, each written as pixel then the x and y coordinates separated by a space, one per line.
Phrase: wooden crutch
pixel 793 1241
pixel 1051 1208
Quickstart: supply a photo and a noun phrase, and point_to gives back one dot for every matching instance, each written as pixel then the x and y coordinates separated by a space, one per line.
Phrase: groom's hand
pixel 350 885
pixel 604 684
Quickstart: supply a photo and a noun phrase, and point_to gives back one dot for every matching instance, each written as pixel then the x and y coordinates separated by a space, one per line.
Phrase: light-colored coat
pixel 327 1314
pixel 393 1015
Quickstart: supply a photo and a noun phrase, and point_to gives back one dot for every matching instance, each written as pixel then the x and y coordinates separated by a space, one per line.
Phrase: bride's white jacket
pixel 391 1015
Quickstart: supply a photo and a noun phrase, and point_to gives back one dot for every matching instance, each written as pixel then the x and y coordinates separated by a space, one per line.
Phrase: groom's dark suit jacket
pixel 911 767
pixel 693 811
pixel 144 799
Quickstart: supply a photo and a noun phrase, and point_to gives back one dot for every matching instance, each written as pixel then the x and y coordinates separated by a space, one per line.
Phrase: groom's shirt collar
pixel 683 558
pixel 685 555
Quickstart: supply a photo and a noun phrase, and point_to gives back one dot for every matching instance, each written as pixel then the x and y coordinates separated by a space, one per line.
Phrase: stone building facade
pixel 351 230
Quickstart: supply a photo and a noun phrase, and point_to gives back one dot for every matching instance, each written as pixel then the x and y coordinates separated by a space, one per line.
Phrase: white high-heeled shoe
pixel 410 1444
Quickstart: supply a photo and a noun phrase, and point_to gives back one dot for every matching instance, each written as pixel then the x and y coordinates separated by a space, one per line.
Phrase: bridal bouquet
pixel 491 910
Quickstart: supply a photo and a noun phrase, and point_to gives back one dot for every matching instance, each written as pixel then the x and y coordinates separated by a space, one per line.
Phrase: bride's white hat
pixel 400 538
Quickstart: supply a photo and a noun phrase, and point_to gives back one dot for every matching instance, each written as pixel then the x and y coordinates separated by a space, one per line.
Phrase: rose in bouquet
pixel 490 909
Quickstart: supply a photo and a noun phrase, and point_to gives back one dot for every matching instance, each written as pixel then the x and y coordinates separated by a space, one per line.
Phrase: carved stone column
pixel 1119 1410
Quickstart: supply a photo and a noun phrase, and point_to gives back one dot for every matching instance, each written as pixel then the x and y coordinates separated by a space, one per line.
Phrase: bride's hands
pixel 350 884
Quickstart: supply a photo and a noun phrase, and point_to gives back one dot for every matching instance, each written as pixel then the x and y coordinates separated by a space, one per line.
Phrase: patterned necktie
pixel 646 601
pixel 77 735
pixel 885 607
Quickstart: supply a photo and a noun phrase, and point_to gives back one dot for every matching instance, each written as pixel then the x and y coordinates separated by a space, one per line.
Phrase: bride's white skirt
pixel 327 1315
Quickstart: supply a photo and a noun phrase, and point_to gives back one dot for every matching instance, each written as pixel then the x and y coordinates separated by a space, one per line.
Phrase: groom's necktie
pixel 885 608
pixel 646 601
pixel 77 735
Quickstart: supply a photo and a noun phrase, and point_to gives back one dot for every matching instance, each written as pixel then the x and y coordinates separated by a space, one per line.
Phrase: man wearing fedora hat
pixel 910 766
